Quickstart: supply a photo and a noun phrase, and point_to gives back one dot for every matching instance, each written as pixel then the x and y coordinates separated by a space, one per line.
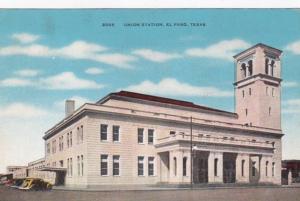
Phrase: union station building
pixel 129 138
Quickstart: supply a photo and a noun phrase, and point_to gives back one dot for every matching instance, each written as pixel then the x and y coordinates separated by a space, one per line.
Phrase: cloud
pixel 25 37
pixel 289 84
pixel 291 106
pixel 172 87
pixel 294 47
pixel 21 110
pixel 27 73
pixel 68 80
pixel 225 49
pixel 15 82
pixel 75 50
pixel 62 81
pixel 155 56
pixel 94 71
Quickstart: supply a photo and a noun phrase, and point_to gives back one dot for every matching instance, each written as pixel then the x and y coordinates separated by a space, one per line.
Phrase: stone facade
pixel 135 139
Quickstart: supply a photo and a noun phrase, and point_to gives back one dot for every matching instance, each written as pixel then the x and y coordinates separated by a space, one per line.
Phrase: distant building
pixel 292 166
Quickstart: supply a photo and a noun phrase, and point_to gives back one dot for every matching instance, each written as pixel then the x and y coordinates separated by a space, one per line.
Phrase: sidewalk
pixel 168 187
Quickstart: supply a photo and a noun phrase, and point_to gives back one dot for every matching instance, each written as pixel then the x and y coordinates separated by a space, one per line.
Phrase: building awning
pixel 53 169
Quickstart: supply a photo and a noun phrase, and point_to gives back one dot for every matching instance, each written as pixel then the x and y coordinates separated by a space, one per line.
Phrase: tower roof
pixel 258 45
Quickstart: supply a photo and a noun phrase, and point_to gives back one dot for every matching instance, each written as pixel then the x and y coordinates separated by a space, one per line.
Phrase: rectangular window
pixel 71 166
pixel 68 140
pixel 150 136
pixel 243 167
pixel 81 134
pixel 246 111
pixel 71 139
pixel 116 165
pixel 184 173
pixel 253 169
pixel 267 164
pixel 250 91
pixel 243 92
pixel 81 165
pixel 104 165
pixel 140 165
pixel 216 167
pixel 61 163
pixel 151 166
pixel 116 133
pixel 140 135
pixel 273 92
pixel 62 143
pixel 77 135
pixel 267 91
pixel 103 132
pixel 273 169
pixel 48 148
pixel 68 167
pixel 53 146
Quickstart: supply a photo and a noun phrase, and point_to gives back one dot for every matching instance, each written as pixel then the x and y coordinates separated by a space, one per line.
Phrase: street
pixel 207 194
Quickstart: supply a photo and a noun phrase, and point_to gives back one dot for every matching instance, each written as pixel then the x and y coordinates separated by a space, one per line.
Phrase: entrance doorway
pixel 200 167
pixel 229 167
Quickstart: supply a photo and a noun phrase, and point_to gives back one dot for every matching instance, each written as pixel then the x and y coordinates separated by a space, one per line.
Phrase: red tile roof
pixel 164 100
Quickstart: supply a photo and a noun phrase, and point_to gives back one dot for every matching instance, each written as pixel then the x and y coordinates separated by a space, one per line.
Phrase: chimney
pixel 69 107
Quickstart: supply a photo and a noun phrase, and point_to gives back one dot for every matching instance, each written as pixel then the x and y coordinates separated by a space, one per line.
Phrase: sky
pixel 48 56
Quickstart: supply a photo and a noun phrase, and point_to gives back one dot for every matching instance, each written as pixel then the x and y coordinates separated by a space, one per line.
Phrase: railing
pixel 215 140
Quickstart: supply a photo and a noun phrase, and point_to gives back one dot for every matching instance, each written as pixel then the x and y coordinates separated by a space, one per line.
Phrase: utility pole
pixel 191 154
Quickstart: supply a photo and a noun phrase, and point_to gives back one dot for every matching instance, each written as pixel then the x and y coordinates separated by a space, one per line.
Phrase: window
pixel 243 92
pixel 172 133
pixel 272 67
pixel 68 167
pixel 104 165
pixel 267 164
pixel 140 165
pixel 243 167
pixel 273 92
pixel 71 166
pixel 150 136
pixel 116 133
pixel 273 169
pixel 54 164
pixel 71 139
pixel 253 169
pixel 267 91
pixel 175 165
pixel 249 91
pixel 140 135
pixel 269 111
pixel 103 132
pixel 184 173
pixel 246 111
pixel 68 140
pixel 61 163
pixel 267 66
pixel 81 165
pixel 244 70
pixel 116 165
pixel 78 165
pixel 216 167
pixel 54 146
pixel 81 134
pixel 77 135
pixel 250 68
pixel 151 166
pixel 62 143
pixel 48 148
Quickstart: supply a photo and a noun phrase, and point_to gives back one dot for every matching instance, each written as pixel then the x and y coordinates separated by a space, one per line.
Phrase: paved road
pixel 232 194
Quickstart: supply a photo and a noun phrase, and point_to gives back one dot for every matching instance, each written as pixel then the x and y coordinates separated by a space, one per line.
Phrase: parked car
pixel 17 183
pixel 35 184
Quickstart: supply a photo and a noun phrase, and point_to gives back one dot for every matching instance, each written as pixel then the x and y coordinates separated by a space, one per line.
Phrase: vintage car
pixel 35 184
pixel 17 183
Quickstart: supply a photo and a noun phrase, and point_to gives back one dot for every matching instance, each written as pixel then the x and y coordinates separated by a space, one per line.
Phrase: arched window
pixel 175 166
pixel 253 169
pixel 267 164
pixel 244 70
pixel 267 66
pixel 250 68
pixel 272 67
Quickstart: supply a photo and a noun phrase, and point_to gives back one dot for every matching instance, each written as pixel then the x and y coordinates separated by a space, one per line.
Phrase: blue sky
pixel 47 56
